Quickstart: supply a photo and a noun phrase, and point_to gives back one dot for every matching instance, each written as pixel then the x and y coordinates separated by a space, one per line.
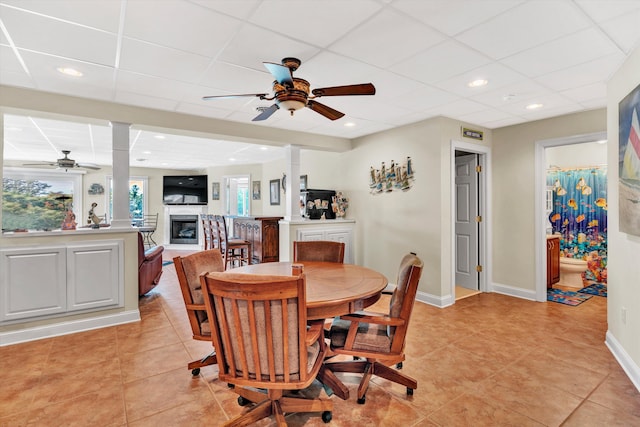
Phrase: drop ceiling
pixel 419 54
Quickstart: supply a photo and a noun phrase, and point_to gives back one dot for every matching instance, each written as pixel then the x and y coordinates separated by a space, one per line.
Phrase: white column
pixel 120 162
pixel 292 197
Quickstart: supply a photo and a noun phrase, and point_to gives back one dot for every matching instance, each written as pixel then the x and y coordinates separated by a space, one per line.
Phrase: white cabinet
pixel 33 282
pixel 93 275
pixel 43 281
pixel 336 234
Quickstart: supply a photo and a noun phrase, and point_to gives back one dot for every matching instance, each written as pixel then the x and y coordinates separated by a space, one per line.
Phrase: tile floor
pixel 490 360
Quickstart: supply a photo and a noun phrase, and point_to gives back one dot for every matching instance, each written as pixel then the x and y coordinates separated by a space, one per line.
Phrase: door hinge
pixel 479 218
pixel 479 268
pixel 479 168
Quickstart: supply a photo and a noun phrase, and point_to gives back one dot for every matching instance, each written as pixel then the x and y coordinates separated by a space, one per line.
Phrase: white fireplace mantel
pixel 182 210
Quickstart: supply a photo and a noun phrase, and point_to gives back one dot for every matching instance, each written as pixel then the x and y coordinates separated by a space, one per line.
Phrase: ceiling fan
pixel 292 93
pixel 65 163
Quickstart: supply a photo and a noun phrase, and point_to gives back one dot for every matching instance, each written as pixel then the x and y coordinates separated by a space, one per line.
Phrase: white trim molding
pixel 70 327
pixel 626 362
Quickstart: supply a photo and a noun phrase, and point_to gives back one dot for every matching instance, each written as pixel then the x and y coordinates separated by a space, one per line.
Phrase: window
pixel 137 197
pixel 236 195
pixel 37 199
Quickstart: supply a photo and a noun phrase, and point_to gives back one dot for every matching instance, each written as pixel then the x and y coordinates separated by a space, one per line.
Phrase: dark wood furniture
pixel 188 269
pixel 379 337
pixel 332 289
pixel 235 251
pixel 553 261
pixel 259 327
pixel 318 250
pixel 264 235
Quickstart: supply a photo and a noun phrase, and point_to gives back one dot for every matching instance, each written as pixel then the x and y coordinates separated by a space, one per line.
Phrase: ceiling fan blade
pixel 88 166
pixel 266 113
pixel 359 89
pixel 282 74
pixel 328 112
pixel 259 95
pixel 43 163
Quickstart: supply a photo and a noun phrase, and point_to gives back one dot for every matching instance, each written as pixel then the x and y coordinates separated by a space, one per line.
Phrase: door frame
pixel 484 206
pixel 540 202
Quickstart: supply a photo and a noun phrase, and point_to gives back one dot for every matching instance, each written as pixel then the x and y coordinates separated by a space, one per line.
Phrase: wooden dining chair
pixel 207 231
pixel 318 250
pixel 189 268
pixel 259 327
pixel 379 338
pixel 235 251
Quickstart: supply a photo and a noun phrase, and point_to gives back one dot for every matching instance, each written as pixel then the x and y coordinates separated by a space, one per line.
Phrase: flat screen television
pixel 184 190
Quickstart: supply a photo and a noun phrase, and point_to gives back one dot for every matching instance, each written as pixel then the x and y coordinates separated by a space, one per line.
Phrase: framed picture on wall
pixel 629 162
pixel 274 191
pixel 255 190
pixel 215 191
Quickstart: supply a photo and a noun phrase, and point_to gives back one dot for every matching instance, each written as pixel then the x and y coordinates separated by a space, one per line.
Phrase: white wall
pixel 624 249
pixel 577 155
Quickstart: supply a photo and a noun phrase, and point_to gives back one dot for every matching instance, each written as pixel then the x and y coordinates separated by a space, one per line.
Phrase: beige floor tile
pixel 135 366
pixel 592 414
pixel 190 414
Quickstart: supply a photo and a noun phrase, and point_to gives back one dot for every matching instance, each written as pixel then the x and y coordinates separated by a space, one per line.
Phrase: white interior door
pixel 466 212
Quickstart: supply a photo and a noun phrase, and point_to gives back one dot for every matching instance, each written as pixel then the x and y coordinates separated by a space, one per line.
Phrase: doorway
pixel 542 220
pixel 470 243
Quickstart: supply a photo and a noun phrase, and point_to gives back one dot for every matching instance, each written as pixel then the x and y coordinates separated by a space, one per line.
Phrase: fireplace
pixel 183 229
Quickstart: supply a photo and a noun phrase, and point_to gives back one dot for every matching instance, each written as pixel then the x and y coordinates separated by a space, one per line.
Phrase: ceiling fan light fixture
pixel 291 105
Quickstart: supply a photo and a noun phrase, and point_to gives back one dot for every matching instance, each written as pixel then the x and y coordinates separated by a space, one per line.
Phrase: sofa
pixel 149 266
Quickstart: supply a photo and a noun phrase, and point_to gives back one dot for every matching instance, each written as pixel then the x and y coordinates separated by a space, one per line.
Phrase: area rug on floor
pixel 566 297
pixel 166 263
pixel 598 289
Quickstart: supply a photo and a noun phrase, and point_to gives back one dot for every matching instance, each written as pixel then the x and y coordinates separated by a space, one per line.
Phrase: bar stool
pixel 236 252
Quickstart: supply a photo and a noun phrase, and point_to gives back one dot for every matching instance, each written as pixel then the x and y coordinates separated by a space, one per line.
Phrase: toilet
pixel 571 270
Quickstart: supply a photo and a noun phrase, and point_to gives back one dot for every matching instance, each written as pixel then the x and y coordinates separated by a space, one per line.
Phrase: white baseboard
pixel 434 300
pixel 69 327
pixel 628 365
pixel 513 292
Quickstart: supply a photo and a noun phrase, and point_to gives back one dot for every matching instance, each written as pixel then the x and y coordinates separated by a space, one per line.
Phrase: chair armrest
pixel 376 318
pixel 154 252
pixel 315 330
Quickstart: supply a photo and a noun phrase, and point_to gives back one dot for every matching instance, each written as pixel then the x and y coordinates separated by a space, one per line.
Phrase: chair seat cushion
pixel 370 337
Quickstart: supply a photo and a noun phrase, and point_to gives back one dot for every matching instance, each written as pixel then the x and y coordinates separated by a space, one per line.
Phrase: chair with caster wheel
pixel 189 268
pixel 259 327
pixel 379 338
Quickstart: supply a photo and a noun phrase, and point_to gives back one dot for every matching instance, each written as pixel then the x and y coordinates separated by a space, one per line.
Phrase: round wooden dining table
pixel 333 289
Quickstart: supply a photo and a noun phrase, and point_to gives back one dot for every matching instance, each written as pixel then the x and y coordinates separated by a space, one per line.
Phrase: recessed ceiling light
pixel 70 71
pixel 232 159
pixel 164 164
pixel 508 97
pixel 349 124
pixel 602 141
pixel 146 152
pixel 534 106
pixel 264 148
pixel 159 137
pixel 478 83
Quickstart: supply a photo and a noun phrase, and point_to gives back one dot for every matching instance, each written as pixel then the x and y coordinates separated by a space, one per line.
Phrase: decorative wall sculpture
pixel 395 176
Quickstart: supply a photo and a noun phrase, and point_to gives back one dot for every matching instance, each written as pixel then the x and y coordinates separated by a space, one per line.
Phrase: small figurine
pixel 93 217
pixel 69 222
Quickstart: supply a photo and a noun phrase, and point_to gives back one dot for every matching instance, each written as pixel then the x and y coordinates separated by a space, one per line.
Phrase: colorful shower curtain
pixel 580 210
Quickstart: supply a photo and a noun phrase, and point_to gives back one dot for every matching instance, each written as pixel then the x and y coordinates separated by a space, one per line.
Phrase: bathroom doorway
pixel 571 204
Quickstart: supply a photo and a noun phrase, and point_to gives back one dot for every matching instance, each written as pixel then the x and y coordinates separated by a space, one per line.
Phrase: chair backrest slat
pixel 318 250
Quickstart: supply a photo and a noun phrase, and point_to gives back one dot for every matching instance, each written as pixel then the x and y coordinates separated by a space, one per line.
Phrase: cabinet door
pixel 33 282
pixel 94 275
pixel 270 241
pixel 555 261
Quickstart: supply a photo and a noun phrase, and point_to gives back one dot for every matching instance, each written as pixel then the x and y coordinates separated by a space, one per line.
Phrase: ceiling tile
pixel 592 95
pixel 146 101
pixel 387 28
pixel 497 76
pixel 441 62
pixel 62 39
pixel 154 60
pixel 625 29
pixel 598 70
pixel 252 46
pixel 577 48
pixel 149 85
pixel 423 98
pixel 180 25
pixel 99 14
pixel 239 9
pixel 447 15
pixel 525 26
pixel 604 10
pixel 226 79
pixel 512 93
pixel 328 20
